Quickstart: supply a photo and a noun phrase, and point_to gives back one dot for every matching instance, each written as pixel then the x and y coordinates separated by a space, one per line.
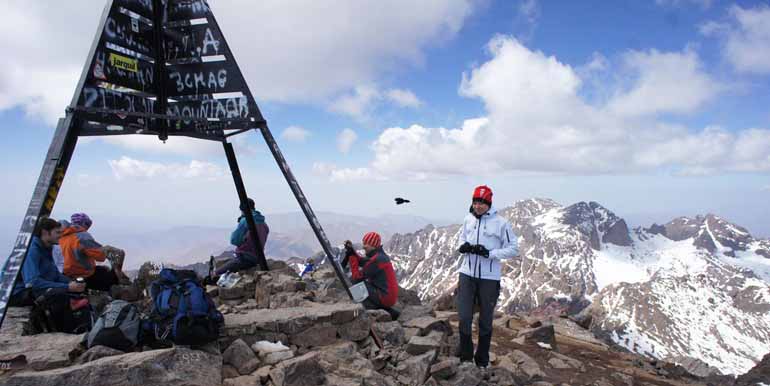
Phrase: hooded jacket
pixel 241 237
pixel 81 252
pixel 493 232
pixel 39 271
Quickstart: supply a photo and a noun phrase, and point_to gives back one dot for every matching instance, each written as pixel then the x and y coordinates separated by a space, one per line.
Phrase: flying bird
pixel 400 201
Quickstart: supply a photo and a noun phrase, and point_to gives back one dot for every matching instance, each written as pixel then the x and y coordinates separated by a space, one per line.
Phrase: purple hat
pixel 81 219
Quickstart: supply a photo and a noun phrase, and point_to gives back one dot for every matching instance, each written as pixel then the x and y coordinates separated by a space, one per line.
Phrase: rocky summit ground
pixel 280 330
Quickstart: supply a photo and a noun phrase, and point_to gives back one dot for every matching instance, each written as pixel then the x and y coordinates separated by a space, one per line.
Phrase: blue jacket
pixel 39 270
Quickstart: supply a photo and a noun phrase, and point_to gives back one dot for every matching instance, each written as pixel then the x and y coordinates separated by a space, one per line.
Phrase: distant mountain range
pixel 290 236
pixel 691 289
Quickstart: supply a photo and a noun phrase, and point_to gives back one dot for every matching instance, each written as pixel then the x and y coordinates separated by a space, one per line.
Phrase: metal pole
pixel 246 210
pixel 306 209
pixel 43 198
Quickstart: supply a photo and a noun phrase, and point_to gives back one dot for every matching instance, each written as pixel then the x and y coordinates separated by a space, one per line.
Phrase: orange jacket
pixel 81 252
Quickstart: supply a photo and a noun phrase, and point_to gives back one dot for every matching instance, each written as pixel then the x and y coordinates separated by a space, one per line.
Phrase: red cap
pixel 372 239
pixel 483 193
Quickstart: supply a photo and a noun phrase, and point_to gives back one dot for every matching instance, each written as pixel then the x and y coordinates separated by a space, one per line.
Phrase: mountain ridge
pixel 584 255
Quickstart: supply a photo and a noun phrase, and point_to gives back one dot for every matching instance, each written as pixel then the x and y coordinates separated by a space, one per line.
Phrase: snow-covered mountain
pixel 692 288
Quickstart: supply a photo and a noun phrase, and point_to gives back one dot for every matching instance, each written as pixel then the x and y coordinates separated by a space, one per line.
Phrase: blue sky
pixel 653 108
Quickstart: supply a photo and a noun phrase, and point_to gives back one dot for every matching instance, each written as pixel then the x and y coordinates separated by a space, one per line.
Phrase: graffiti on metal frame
pixel 192 42
pixel 128 32
pixel 140 7
pixel 226 108
pixel 188 9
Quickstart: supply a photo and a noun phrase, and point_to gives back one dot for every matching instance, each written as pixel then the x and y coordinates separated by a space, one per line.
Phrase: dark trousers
pixel 237 263
pixel 102 279
pixel 372 302
pixel 471 291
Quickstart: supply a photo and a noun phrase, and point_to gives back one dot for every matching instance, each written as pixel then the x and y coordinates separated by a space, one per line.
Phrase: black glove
pixel 465 248
pixel 480 250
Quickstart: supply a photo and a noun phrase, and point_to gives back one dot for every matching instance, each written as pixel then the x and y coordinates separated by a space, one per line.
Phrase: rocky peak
pixel 598 223
pixel 709 232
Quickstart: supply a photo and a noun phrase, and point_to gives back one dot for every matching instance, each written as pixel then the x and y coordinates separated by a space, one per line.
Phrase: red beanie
pixel 372 239
pixel 483 193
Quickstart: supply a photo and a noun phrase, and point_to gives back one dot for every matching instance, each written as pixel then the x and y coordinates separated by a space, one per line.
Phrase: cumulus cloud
pixel 659 80
pixel 539 121
pixel 345 140
pixel 129 168
pixel 49 42
pixel 364 100
pixel 295 134
pixel 358 104
pixel 344 174
pixel 746 37
pixel 403 98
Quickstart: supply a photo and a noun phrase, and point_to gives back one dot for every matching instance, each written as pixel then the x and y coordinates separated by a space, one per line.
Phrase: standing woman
pixel 485 240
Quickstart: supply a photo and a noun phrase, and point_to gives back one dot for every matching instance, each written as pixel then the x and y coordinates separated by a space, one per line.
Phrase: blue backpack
pixel 182 312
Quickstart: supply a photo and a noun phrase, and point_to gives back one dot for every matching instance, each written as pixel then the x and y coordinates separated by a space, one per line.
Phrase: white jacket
pixel 493 232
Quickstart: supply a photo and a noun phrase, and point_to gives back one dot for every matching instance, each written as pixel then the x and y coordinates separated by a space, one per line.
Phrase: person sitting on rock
pixel 246 252
pixel 39 273
pixel 376 270
pixel 81 253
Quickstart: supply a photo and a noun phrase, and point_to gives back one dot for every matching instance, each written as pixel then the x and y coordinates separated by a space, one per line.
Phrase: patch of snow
pixel 751 261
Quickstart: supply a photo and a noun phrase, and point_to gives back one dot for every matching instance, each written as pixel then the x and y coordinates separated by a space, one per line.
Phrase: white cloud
pixel 403 98
pixel 49 42
pixel 244 144
pixel 358 104
pixel 345 140
pixel 540 121
pixel 336 174
pixel 746 37
pixel 129 168
pixel 529 10
pixel 295 134
pixel 658 87
pixel 364 100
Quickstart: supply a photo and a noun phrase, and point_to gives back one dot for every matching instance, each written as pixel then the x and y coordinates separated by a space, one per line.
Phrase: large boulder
pixel 240 356
pixel 43 351
pixel 417 368
pixel 283 323
pixel 304 370
pixel 16 321
pixel 168 367
pixel 97 352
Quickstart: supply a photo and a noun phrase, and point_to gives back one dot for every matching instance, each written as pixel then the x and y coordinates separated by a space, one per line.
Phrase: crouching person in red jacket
pixel 376 270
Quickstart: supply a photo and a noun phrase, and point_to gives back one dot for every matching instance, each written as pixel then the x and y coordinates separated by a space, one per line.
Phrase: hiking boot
pixel 484 372
pixel 116 256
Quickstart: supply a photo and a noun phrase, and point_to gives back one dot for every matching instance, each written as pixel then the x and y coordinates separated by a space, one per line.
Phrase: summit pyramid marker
pixel 162 68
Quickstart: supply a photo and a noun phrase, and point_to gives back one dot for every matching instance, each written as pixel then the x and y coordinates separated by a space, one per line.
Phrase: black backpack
pixel 182 312
pixel 118 327
pixel 52 312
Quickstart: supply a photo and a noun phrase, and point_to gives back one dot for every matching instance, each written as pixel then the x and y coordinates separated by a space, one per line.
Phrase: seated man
pixel 245 253
pixel 81 253
pixel 39 272
pixel 376 270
